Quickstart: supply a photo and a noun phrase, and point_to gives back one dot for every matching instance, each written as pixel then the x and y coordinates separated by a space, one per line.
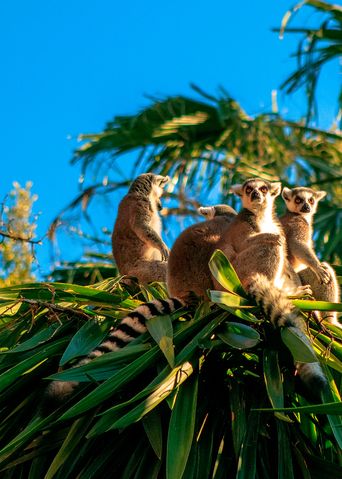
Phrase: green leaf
pixel 285 467
pixel 273 381
pixel 237 399
pixel 327 356
pixel 230 299
pixel 299 345
pixel 224 273
pixel 153 428
pixel 85 340
pixel 109 387
pixel 332 394
pixel 38 339
pixel 160 328
pixel 181 428
pixel 239 336
pixel 177 376
pixel 102 367
pixel 309 305
pixel 75 436
pixel 326 408
pixel 246 468
pixel 34 361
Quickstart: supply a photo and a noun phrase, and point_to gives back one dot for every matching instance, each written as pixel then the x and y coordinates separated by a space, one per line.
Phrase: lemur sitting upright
pixel 302 205
pixel 138 248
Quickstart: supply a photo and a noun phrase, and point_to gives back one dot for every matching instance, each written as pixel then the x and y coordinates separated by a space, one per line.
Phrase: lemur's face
pixel 207 211
pixel 158 185
pixel 301 200
pixel 256 193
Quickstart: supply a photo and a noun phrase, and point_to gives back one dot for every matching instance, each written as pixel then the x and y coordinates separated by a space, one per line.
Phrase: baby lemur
pixel 254 242
pixel 138 248
pixel 302 204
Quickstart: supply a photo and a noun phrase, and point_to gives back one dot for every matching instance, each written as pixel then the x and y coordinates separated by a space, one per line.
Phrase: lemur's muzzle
pixel 255 195
pixel 305 208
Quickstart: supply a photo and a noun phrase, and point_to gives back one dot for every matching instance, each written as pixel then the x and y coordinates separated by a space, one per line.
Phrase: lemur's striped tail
pixel 281 312
pixel 129 328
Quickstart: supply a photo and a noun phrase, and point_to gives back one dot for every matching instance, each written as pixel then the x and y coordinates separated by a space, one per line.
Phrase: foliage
pixel 207 145
pixel 208 414
pixel 318 46
pixel 17 230
pixel 94 269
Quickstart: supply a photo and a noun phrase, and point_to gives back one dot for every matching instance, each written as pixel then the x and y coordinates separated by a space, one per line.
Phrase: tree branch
pixel 19 238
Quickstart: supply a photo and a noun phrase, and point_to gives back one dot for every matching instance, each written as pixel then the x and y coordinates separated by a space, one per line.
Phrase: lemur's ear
pixel 237 189
pixel 163 180
pixel 286 194
pixel 275 188
pixel 320 194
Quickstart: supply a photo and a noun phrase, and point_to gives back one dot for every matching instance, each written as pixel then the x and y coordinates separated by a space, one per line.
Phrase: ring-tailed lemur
pixel 138 249
pixel 297 222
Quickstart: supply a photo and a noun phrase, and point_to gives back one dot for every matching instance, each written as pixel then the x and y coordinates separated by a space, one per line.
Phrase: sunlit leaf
pixel 224 273
pixel 299 345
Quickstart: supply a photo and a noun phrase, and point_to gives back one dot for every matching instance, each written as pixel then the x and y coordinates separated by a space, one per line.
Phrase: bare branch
pixel 55 307
pixel 19 238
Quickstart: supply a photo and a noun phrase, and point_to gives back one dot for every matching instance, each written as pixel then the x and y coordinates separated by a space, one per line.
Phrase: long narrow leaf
pixel 181 429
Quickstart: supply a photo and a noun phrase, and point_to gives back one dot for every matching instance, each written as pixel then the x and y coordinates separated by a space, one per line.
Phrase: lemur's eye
pixel 248 189
pixel 311 201
pixel 298 200
pixel 264 189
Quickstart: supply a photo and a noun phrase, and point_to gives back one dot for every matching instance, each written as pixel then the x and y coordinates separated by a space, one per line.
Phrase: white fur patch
pixel 145 311
pixel 134 324
pixel 121 335
pixel 266 223
pixel 110 345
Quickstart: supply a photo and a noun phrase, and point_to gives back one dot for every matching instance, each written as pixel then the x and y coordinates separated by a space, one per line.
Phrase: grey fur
pixel 138 248
pixel 297 225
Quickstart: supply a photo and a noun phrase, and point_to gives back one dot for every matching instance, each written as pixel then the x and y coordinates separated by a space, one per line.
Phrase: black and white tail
pixel 129 328
pixel 281 312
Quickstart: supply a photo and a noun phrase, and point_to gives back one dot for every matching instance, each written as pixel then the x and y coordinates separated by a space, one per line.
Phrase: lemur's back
pixel 195 246
pixel 127 245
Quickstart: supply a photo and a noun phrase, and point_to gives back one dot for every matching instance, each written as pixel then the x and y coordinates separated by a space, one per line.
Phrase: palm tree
pixel 204 394
pixel 318 46
pixel 209 143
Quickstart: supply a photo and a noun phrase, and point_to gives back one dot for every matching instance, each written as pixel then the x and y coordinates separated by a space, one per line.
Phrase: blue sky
pixel 69 66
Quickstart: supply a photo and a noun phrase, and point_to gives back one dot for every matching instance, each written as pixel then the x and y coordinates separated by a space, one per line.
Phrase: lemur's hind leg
pixel 323 291
pixel 148 271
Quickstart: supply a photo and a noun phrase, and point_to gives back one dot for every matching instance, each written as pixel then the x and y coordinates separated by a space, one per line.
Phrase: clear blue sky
pixel 69 66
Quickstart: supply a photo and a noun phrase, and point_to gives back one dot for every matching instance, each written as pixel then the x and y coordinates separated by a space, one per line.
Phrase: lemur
pixel 138 249
pixel 188 266
pixel 297 222
pixel 255 244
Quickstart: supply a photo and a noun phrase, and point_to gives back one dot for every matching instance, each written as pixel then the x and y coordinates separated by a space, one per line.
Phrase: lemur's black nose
pixel 305 208
pixel 255 195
